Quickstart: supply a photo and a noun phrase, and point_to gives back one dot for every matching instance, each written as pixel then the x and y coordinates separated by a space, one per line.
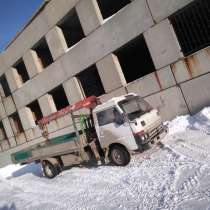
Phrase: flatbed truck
pixel 110 132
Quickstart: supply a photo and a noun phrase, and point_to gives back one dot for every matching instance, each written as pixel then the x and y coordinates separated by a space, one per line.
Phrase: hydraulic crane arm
pixel 90 103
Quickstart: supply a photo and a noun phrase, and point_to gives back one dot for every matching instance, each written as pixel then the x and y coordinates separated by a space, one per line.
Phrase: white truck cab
pixel 128 121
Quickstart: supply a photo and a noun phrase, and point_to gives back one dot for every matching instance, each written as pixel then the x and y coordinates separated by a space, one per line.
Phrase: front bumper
pixel 153 136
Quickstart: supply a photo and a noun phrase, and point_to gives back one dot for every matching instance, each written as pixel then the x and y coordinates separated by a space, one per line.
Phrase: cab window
pixel 106 117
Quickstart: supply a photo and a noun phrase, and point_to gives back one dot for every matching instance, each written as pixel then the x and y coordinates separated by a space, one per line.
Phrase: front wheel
pixel 119 156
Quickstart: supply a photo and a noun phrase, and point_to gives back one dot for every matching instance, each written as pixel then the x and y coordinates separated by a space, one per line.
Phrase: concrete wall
pixel 178 85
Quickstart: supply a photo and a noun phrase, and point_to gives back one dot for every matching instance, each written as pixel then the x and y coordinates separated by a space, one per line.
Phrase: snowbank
pixel 200 121
pixel 7 171
pixel 19 170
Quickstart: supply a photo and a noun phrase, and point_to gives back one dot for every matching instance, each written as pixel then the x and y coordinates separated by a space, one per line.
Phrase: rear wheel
pixel 50 170
pixel 119 156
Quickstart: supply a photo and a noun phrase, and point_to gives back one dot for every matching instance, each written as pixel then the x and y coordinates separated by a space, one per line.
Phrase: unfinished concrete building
pixel 71 49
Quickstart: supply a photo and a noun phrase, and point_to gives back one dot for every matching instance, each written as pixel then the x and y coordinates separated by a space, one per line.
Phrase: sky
pixel 14 14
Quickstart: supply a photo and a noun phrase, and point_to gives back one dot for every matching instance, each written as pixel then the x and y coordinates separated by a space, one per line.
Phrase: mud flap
pixel 106 155
pixel 95 151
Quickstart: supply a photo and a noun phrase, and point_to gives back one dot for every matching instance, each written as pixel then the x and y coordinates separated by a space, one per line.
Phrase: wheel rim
pixel 117 156
pixel 49 170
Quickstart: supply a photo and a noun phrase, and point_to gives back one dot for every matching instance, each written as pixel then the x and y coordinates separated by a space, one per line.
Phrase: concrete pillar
pixel 2 111
pixel 12 142
pixel 110 73
pixel 13 79
pixel 89 15
pixel 5 145
pixel 165 77
pixel 32 63
pixel 161 9
pixel 47 104
pixel 163 44
pixel 2 134
pixel 7 128
pixel 20 138
pixel 9 105
pixel 1 92
pixel 56 42
pixel 73 90
pixel 26 118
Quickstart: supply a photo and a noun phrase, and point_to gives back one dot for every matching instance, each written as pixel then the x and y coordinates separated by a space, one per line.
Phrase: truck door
pixel 111 128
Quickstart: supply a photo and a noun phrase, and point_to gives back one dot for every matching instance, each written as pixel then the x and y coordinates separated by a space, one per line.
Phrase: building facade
pixel 72 49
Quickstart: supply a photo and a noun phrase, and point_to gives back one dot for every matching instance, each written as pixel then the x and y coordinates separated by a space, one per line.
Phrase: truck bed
pixel 52 147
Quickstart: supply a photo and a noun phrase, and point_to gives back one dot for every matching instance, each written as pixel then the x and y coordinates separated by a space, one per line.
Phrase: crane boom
pixel 90 103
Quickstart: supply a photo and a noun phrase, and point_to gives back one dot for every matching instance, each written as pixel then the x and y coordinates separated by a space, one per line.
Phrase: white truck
pixel 110 132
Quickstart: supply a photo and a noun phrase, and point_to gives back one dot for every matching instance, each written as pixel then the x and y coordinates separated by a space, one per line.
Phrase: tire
pixel 119 156
pixel 50 170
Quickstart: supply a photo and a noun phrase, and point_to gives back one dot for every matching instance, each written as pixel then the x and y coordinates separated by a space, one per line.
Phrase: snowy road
pixel 175 177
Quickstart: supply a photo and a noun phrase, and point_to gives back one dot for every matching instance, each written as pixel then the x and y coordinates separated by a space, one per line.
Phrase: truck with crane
pixel 108 132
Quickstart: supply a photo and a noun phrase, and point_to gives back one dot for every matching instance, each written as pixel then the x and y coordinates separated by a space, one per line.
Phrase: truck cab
pixel 125 124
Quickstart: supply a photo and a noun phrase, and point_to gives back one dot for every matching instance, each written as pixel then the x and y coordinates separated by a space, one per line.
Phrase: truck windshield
pixel 135 107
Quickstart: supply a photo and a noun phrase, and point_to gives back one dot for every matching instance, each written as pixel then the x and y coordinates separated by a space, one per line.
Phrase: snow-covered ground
pixel 175 177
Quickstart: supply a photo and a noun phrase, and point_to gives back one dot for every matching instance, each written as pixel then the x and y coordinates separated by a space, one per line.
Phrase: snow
pixel 174 177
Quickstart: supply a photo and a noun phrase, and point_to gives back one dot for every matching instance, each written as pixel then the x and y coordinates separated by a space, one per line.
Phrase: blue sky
pixel 14 14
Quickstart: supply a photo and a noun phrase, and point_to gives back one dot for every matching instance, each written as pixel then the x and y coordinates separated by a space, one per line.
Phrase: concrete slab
pixel 198 63
pixel 20 139
pixel 114 33
pixel 180 71
pixel 5 145
pixel 90 9
pixel 166 77
pixel 110 72
pixel 56 42
pixel 12 142
pixel 192 66
pixel 144 86
pixel 7 128
pixel 115 93
pixel 169 102
pixel 196 92
pixel 32 63
pixel 161 9
pixel 163 44
pixel 9 105
pixel 44 82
